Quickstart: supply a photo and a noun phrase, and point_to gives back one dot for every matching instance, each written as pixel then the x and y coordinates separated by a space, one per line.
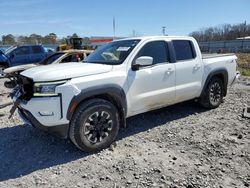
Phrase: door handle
pixel 196 67
pixel 169 71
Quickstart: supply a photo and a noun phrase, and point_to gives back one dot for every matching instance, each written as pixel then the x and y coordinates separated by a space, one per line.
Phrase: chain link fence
pixel 231 46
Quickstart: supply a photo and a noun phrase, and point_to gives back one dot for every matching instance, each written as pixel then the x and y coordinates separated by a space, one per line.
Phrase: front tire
pixel 213 94
pixel 94 125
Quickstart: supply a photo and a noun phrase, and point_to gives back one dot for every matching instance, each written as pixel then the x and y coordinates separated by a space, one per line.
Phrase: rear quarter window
pixel 184 50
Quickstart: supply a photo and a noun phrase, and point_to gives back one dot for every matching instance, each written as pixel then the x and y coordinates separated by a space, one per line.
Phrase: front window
pixel 113 53
pixel 158 50
pixel 22 50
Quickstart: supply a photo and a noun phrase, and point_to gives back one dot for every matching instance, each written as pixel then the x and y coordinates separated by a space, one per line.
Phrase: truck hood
pixel 63 71
pixel 18 68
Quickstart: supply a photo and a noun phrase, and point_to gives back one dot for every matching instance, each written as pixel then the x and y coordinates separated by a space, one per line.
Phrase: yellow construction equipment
pixel 71 43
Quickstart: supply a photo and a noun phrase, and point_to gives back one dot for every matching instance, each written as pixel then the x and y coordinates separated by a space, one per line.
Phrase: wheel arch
pixel 220 73
pixel 112 93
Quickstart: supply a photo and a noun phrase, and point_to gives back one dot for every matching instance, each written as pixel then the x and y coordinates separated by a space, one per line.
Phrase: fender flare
pixel 111 91
pixel 217 72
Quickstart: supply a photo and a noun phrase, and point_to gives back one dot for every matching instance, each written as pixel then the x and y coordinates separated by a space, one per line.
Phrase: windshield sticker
pixel 123 49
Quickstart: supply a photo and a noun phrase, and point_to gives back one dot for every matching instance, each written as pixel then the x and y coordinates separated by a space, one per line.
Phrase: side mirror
pixel 142 61
pixel 12 56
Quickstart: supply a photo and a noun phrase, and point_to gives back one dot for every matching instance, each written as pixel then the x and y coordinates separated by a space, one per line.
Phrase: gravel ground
pixel 179 146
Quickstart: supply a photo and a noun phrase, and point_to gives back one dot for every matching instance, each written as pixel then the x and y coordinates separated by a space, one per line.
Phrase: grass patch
pixel 244 63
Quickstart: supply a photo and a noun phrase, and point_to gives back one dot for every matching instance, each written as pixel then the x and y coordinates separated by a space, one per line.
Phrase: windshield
pixel 10 49
pixel 113 53
pixel 50 59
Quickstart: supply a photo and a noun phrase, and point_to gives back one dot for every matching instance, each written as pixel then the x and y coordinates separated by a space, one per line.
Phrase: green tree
pixel 51 38
pixel 35 38
pixel 75 35
pixel 8 39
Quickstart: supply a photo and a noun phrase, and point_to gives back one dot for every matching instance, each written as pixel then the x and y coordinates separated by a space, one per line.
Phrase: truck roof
pixel 156 37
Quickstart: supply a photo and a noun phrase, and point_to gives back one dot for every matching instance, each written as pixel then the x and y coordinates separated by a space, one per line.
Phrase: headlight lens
pixel 47 88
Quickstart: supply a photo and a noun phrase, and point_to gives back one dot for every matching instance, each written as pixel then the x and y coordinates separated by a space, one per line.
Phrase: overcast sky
pixel 95 17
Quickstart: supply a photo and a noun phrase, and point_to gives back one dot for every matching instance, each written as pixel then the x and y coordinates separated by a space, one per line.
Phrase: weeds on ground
pixel 244 63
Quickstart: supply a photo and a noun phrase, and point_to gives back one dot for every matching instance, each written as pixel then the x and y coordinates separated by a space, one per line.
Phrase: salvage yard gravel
pixel 179 146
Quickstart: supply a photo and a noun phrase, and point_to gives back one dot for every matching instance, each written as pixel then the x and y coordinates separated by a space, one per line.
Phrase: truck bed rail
pixel 207 56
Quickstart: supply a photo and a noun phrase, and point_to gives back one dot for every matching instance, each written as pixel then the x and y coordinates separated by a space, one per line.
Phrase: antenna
pixel 114 27
pixel 164 30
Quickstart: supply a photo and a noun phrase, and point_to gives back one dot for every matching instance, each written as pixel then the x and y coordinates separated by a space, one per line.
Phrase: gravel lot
pixel 179 146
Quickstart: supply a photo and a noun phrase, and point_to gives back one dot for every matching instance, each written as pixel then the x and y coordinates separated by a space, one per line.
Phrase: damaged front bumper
pixel 58 130
pixel 44 113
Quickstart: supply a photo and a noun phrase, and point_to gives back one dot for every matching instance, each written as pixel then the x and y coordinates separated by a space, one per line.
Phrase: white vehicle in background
pixel 90 101
pixel 65 56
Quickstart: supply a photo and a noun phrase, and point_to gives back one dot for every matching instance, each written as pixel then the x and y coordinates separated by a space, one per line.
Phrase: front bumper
pixel 58 130
pixel 47 110
pixel 45 113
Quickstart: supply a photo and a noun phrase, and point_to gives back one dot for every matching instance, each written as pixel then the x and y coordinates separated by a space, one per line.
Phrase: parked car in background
pixel 21 55
pixel 58 57
pixel 66 56
pixel 51 50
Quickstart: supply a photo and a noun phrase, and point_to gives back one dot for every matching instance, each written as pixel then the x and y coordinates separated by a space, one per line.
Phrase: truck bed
pixel 207 56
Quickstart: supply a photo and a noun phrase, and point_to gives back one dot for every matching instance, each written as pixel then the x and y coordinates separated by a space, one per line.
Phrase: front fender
pixel 112 91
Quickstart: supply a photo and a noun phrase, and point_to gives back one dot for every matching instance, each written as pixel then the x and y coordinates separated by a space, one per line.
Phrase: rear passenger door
pixel 189 70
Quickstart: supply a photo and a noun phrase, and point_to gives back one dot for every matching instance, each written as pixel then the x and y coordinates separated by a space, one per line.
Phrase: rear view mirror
pixel 142 61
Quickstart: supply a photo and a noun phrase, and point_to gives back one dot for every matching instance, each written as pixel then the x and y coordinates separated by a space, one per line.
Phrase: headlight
pixel 46 88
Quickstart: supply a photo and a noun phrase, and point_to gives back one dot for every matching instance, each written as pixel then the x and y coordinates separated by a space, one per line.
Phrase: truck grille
pixel 26 86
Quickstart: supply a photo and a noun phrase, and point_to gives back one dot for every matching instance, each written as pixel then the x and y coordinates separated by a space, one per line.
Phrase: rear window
pixel 37 49
pixel 183 50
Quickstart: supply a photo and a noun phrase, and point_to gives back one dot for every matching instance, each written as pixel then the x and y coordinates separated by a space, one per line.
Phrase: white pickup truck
pixel 90 101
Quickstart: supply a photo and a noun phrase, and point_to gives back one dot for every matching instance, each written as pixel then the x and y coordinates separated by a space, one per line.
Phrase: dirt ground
pixel 179 146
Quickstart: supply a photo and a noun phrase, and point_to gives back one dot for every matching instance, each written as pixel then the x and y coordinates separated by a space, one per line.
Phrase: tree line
pixel 222 32
pixel 50 38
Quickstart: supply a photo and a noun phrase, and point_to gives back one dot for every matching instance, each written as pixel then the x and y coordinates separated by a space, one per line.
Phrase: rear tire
pixel 212 97
pixel 94 125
